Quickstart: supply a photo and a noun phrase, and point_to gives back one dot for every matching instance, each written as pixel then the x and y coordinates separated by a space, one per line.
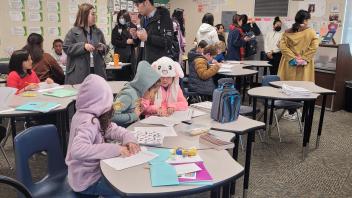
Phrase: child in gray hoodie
pixel 127 103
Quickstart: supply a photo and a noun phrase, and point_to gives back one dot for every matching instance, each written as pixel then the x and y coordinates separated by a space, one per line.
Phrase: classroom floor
pixel 277 169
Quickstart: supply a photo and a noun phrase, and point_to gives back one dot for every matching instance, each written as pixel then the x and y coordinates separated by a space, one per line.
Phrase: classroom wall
pixel 68 11
pixel 193 16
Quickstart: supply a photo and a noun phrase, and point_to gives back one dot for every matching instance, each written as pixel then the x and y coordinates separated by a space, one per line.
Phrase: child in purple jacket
pixel 91 126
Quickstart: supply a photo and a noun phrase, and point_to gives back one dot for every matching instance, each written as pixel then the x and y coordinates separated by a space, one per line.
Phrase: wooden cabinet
pixel 333 66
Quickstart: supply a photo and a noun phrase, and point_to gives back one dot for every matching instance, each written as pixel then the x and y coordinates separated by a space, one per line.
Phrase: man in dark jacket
pixel 155 39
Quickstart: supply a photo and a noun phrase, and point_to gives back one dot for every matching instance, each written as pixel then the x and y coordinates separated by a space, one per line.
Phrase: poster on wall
pixel 34 4
pixel 123 4
pixel 17 15
pixel 53 6
pixel 54 31
pixel 15 4
pixel 35 16
pixel 36 29
pixel 54 17
pixel 116 5
pixel 316 8
pixel 19 31
pixel 130 6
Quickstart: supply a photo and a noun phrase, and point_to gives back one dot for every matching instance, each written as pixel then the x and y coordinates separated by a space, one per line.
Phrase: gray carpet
pixel 277 168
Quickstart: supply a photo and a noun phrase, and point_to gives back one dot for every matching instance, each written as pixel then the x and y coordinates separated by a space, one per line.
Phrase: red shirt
pixel 14 80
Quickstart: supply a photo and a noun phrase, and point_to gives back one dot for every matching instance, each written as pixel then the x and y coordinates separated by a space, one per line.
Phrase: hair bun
pixel 277 18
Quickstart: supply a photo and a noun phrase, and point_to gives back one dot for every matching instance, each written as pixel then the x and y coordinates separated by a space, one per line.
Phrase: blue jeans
pixel 102 188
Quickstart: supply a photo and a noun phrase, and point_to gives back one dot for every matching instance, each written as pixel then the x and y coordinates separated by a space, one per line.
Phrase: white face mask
pixel 122 21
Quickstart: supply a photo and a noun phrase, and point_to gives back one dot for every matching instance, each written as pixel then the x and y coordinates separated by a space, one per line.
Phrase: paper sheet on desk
pixel 166 121
pixel 6 94
pixel 165 131
pixel 295 91
pixel 120 163
pixel 186 168
pixel 43 87
pixel 225 70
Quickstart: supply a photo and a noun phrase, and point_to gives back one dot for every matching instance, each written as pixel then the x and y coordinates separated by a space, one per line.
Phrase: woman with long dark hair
pixel 122 40
pixel 207 31
pixel 271 46
pixel 44 65
pixel 236 40
pixel 179 29
pixel 298 47
pixel 85 47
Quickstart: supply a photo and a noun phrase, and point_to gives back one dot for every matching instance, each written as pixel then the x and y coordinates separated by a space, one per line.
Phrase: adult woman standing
pixel 123 42
pixel 298 47
pixel 179 29
pixel 271 46
pixel 85 47
pixel 44 65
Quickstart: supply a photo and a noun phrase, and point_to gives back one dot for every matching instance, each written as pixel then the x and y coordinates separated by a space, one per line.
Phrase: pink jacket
pixel 180 105
pixel 87 146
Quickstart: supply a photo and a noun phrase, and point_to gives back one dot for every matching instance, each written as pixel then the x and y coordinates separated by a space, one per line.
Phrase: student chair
pixel 34 140
pixel 2 137
pixel 282 104
pixel 191 96
pixel 15 184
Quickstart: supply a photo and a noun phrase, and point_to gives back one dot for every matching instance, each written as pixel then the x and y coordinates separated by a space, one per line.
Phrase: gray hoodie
pixel 127 98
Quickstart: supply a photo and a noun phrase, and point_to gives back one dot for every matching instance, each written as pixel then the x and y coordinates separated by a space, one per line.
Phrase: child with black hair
pixel 21 74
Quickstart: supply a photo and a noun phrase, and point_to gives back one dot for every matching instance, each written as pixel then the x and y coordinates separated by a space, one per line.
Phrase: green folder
pixel 163 174
pixel 61 93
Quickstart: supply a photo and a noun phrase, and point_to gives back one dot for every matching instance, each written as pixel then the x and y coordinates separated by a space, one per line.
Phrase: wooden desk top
pixel 135 181
pixel 275 93
pixel 311 86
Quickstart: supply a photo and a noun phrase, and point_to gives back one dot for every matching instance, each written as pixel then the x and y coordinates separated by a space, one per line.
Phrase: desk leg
pixel 215 193
pixel 251 85
pixel 272 108
pixel 321 120
pixel 13 130
pixel 247 166
pixel 266 71
pixel 61 125
pixel 235 157
pixel 257 77
pixel 254 108
pixel 226 190
pixel 309 106
pixel 244 89
pixel 266 117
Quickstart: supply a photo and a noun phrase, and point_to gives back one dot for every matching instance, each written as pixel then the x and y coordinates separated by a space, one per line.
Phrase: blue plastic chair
pixel 34 140
pixel 282 104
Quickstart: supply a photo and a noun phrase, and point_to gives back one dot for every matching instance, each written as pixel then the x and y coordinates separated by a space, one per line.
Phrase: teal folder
pixel 61 93
pixel 163 174
pixel 38 106
pixel 163 155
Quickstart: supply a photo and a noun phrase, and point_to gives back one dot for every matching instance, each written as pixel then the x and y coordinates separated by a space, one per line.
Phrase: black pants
pixel 275 62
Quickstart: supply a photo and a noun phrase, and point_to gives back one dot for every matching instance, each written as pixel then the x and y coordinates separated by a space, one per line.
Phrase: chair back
pixel 34 140
pixel 269 78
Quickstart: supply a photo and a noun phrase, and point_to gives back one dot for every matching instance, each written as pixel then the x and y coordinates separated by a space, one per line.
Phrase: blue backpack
pixel 226 101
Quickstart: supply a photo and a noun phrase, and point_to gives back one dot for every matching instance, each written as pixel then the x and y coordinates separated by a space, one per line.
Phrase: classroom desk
pixel 311 86
pixel 135 181
pixel 241 126
pixel 60 112
pixel 116 86
pixel 272 93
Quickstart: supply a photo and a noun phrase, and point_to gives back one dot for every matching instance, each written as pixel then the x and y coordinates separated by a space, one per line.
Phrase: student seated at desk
pixel 21 75
pixel 202 70
pixel 127 103
pixel 91 127
pixel 169 97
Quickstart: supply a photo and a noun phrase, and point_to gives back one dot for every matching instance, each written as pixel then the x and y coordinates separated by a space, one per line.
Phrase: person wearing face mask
pixel 122 40
pixel 298 46
pixel 271 46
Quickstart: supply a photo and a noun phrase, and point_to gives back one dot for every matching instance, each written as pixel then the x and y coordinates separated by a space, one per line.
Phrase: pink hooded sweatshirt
pixel 171 96
pixel 87 146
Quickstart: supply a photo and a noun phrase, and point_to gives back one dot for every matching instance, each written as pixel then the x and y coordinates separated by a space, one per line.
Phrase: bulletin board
pixel 50 18
pixel 226 18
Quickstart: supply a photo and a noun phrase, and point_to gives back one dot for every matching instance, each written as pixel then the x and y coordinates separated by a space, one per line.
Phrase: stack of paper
pixel 295 91
pixel 166 121
pixel 225 70
pixel 120 163
pixel 43 87
pixel 203 105
pixel 199 177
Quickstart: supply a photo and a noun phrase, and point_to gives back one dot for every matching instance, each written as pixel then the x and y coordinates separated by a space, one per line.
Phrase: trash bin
pixel 348 98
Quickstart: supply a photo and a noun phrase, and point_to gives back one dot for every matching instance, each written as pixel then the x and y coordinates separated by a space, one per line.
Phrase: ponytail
pixel 295 27
pixel 299 19
pixel 276 19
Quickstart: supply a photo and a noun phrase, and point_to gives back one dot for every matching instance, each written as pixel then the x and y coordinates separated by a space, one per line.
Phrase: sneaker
pixel 290 117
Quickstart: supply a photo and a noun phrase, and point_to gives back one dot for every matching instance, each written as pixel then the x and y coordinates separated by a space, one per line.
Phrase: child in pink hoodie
pixel 169 97
pixel 91 127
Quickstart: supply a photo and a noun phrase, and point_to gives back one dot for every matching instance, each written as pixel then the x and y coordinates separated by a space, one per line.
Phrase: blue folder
pixel 163 174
